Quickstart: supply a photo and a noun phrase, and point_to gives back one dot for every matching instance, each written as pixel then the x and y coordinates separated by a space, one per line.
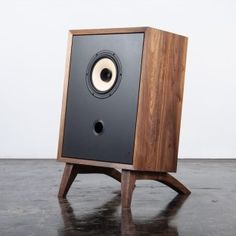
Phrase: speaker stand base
pixel 126 177
pixel 71 171
pixel 129 178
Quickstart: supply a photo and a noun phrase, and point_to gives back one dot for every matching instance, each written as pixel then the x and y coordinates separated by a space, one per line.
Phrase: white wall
pixel 33 37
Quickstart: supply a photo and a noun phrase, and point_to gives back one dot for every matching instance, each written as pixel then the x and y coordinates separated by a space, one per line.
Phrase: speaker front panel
pixel 102 97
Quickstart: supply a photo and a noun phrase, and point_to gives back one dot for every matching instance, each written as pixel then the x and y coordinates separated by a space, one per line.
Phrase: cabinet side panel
pixel 64 98
pixel 160 101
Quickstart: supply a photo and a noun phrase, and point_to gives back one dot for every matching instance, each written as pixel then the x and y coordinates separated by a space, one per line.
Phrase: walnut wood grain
pixel 95 163
pixel 109 31
pixel 166 179
pixel 64 97
pixel 160 101
pixel 115 174
pixel 158 118
pixel 129 178
pixel 71 171
pixel 69 174
pixel 159 104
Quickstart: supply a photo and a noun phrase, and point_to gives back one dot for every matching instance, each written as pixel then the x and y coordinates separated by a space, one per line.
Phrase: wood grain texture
pixel 95 163
pixel 158 117
pixel 109 31
pixel 129 178
pixel 160 101
pixel 164 178
pixel 64 97
pixel 115 174
pixel 159 104
pixel 72 170
pixel 69 175
pixel 173 183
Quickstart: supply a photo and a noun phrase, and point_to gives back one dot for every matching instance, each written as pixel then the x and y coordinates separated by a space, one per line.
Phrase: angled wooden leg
pixel 71 171
pixel 69 174
pixel 115 174
pixel 127 178
pixel 127 186
pixel 130 176
pixel 164 178
pixel 173 183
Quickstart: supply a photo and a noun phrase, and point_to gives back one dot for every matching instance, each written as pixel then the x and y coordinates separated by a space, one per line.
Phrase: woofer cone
pixel 103 74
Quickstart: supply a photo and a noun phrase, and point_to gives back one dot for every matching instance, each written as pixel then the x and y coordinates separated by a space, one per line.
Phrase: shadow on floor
pixel 106 221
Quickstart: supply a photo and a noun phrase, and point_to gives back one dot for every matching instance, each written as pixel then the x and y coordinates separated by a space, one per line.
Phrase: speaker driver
pixel 103 74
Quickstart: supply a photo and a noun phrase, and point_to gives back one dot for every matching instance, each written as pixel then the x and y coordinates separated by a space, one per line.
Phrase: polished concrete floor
pixel 29 203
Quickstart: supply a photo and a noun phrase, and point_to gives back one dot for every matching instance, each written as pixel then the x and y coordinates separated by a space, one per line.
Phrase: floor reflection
pixel 107 220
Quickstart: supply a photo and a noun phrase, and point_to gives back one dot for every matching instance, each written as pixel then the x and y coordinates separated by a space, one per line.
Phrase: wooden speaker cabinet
pixel 122 106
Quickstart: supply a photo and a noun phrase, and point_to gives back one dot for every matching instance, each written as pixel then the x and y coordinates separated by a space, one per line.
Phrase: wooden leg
pixel 115 174
pixel 127 186
pixel 70 172
pixel 173 183
pixel 129 177
pixel 164 178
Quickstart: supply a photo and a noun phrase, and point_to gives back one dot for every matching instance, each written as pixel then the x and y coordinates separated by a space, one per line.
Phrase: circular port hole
pixel 98 127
